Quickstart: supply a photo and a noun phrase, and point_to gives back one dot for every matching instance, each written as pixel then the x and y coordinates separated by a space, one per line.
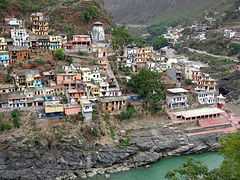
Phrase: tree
pixel 159 42
pixel 90 13
pixel 120 37
pixel 230 150
pixel 191 170
pixel 148 85
pixel 16 118
pixel 234 48
pixel 229 170
pixel 4 4
pixel 59 54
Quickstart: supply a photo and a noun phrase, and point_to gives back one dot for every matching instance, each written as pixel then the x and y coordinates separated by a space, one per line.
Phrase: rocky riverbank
pixel 72 159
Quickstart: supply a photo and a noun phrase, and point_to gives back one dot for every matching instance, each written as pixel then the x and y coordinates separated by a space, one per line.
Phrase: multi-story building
pixel 53 107
pixel 13 23
pixel 20 101
pixel 39 24
pixel 3 44
pixel 79 43
pixel 205 97
pixel 7 88
pixel 69 80
pixel 204 81
pixel 28 78
pixel 4 58
pixel 177 98
pixel 87 109
pixel 43 42
pixel 113 104
pixel 135 55
pixel 91 75
pixel 18 54
pixel 55 42
pixel 20 37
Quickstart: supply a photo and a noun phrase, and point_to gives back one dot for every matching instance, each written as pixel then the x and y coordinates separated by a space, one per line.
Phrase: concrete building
pixel 55 42
pixel 199 114
pixel 3 44
pixel 135 55
pixel 20 37
pixel 69 79
pixel 87 109
pixel 177 98
pixel 39 24
pixel 72 109
pixel 43 42
pixel 28 78
pixel 79 43
pixel 13 23
pixel 113 104
pixel 204 81
pixel 205 97
pixel 19 54
pixel 53 108
pixel 4 58
pixel 7 88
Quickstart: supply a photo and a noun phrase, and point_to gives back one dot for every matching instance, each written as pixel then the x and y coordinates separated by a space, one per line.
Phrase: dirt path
pixel 213 55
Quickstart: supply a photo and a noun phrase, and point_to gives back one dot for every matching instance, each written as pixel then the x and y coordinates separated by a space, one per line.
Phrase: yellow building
pixel 53 107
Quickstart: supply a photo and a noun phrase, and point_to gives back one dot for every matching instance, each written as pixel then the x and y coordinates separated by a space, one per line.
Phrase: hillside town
pixel 82 87
pixel 103 101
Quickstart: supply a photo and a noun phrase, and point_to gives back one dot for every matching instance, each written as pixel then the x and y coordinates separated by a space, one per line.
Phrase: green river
pixel 158 170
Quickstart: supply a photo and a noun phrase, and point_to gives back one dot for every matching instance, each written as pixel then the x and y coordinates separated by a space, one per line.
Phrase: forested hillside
pixel 155 11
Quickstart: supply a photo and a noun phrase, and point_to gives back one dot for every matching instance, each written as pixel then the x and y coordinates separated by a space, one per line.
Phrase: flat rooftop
pixel 200 112
pixel 177 90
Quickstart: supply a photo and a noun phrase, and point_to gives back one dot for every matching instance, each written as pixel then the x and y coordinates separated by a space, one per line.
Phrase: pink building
pixel 72 109
pixel 76 94
pixel 68 79
pixel 78 42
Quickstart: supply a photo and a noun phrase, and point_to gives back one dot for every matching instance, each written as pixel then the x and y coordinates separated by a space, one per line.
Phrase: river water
pixel 159 169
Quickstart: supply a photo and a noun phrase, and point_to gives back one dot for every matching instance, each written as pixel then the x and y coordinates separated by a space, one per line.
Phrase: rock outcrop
pixel 72 159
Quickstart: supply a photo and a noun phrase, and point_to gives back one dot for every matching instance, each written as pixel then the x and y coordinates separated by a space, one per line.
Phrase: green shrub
pixel 4 4
pixel 159 42
pixel 59 54
pixel 16 120
pixel 128 113
pixel 125 142
pixel 39 61
pixel 5 126
pixel 188 82
pixel 112 133
pixel 90 14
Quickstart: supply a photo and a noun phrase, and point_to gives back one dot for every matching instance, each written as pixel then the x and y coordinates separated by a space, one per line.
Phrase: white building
pixel 55 42
pixel 87 109
pixel 229 33
pixel 14 23
pixel 20 37
pixel 98 33
pixel 134 55
pixel 205 97
pixel 177 98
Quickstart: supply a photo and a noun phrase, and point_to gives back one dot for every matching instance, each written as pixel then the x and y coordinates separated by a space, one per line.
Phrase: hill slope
pixel 64 15
pixel 155 11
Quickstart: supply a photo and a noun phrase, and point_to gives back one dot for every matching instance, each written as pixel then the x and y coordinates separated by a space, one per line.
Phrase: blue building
pixel 4 58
